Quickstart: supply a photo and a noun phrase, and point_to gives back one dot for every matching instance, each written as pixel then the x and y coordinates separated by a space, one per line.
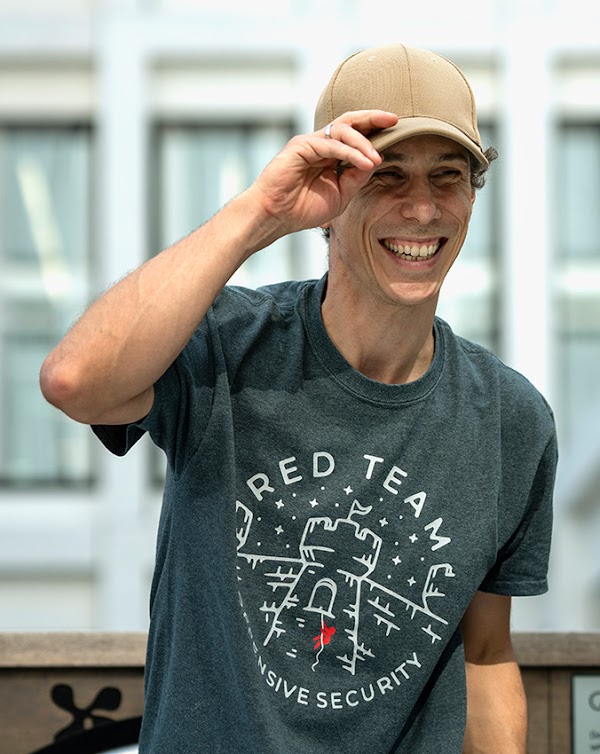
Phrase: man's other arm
pixel 496 703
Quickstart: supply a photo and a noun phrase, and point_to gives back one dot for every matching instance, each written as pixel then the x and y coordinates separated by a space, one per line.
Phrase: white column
pixel 121 232
pixel 526 119
pixel 526 122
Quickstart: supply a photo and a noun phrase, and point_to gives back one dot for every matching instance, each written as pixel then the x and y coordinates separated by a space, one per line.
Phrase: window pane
pixel 580 359
pixel 578 226
pixel 579 191
pixel 44 258
pixel 202 168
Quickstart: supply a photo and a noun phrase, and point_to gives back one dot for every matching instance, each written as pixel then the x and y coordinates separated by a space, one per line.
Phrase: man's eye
pixel 390 174
pixel 448 175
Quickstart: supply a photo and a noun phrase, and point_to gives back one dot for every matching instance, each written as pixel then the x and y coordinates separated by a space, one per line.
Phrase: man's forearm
pixel 496 709
pixel 105 367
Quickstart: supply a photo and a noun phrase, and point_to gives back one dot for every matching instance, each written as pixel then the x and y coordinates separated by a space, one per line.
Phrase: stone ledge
pixel 72 649
pixel 127 649
pixel 549 649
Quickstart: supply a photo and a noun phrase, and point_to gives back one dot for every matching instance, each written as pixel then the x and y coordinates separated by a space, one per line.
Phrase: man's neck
pixel 387 343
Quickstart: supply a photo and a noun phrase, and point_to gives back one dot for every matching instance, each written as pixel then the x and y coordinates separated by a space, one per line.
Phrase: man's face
pixel 402 231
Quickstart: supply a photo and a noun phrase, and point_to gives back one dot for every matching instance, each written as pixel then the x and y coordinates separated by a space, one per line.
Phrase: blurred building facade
pixel 126 123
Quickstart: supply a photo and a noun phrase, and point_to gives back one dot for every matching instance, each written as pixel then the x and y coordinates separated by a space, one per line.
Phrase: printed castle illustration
pixel 330 580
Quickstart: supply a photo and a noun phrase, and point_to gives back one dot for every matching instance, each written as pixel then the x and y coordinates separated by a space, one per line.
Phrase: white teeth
pixel 412 251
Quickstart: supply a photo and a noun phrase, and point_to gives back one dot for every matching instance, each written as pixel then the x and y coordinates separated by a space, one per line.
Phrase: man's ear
pixel 325 229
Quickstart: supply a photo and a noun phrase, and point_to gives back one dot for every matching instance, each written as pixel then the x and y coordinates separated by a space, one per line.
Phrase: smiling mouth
pixel 414 251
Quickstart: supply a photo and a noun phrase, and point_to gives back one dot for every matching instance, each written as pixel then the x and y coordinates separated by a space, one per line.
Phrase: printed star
pixel 279 529
pixel 413 538
pixel 383 522
pixel 313 503
pixel 279 503
pixel 348 490
pixel 411 581
pixel 396 560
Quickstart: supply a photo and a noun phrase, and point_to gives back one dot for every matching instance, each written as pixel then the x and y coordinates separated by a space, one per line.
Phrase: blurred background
pixel 126 123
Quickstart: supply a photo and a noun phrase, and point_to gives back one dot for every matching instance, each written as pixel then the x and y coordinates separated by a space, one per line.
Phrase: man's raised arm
pixel 104 369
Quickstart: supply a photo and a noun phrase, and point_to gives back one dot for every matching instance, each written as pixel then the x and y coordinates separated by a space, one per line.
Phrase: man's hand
pixel 302 187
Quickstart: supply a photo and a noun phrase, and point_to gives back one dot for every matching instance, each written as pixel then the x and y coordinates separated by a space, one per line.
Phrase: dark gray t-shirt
pixel 322 534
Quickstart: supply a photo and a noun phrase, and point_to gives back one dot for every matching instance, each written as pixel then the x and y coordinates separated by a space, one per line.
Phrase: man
pixel 353 492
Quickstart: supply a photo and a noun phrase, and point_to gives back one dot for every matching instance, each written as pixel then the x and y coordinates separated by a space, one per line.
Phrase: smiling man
pixel 354 493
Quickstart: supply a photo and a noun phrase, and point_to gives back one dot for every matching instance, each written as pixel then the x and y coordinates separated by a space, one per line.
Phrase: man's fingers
pixel 366 121
pixel 348 135
pixel 347 147
pixel 351 145
pixel 352 129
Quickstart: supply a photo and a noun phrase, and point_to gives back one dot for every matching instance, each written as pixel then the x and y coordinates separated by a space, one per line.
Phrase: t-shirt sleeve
pixel 181 409
pixel 521 567
pixel 119 438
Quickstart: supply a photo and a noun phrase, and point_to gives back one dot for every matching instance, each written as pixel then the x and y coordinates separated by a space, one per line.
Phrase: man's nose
pixel 419 203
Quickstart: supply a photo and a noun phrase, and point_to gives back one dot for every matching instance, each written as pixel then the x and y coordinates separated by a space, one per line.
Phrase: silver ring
pixel 328 131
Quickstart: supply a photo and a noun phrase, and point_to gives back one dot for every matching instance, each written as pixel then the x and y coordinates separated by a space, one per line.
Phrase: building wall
pixel 125 124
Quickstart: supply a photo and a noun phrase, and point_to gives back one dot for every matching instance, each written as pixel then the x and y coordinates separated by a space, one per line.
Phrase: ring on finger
pixel 328 131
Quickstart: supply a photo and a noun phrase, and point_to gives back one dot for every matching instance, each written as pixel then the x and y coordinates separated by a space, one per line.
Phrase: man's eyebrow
pixel 449 156
pixel 396 156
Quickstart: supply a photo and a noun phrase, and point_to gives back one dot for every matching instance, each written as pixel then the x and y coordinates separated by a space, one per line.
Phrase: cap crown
pixel 428 93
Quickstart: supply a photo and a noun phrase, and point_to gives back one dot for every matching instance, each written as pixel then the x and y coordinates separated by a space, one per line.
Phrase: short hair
pixel 478 170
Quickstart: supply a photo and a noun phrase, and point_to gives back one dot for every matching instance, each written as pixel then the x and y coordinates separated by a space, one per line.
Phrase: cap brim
pixel 407 127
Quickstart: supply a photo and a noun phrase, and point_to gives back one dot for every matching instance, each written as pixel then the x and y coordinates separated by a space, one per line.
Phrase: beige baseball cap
pixel 427 92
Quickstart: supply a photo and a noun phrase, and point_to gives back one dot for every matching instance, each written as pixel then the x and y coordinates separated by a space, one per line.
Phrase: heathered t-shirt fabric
pixel 322 534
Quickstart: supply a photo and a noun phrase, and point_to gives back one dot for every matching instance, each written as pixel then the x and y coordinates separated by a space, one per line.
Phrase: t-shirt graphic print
pixel 337 587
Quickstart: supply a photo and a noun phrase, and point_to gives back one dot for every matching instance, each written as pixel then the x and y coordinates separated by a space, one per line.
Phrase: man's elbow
pixel 62 387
